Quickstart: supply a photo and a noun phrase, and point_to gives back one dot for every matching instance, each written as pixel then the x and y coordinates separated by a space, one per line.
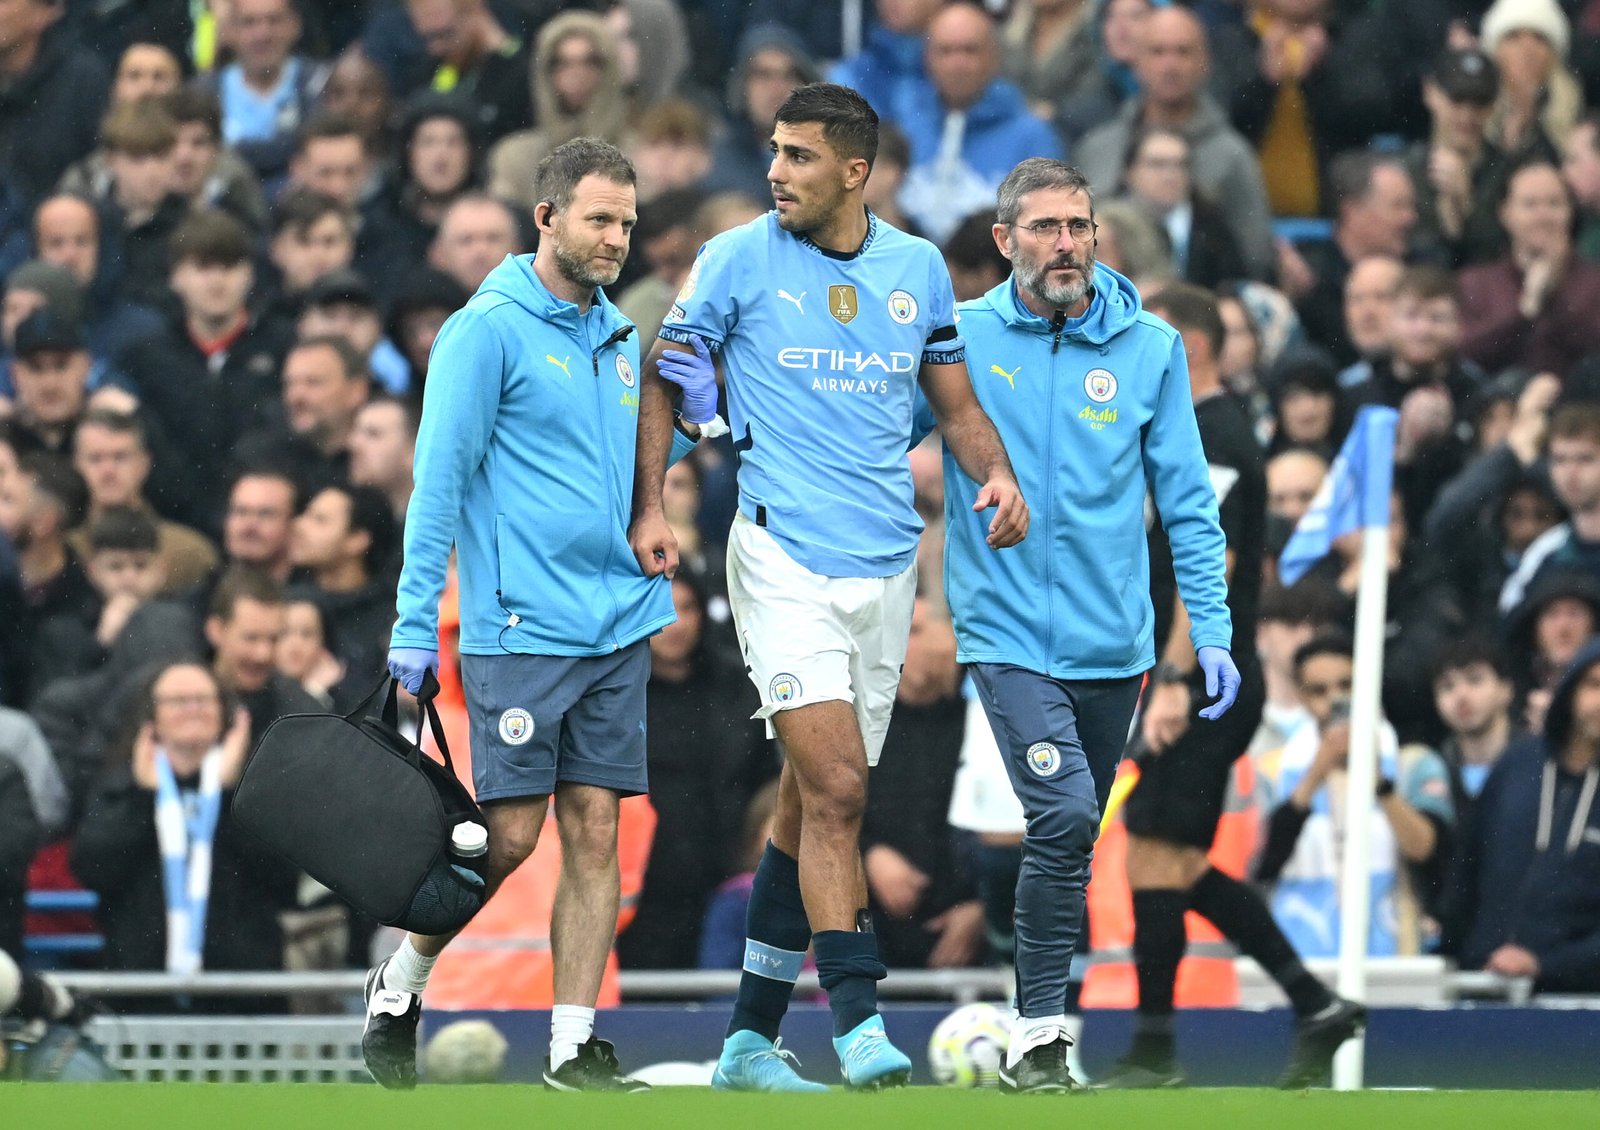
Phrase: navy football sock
pixel 849 968
pixel 777 932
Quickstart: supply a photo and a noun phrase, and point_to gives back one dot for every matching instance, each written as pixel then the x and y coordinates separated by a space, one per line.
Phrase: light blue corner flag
pixel 1354 493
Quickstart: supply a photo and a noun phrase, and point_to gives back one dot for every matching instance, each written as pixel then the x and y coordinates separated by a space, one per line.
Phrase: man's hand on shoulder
pixel 1010 522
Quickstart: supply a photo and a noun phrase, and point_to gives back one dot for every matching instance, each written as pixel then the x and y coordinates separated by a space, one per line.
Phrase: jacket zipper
pixel 617 337
pixel 1056 325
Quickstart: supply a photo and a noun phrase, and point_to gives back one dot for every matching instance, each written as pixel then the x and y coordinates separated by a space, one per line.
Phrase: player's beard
pixel 1034 276
pixel 580 270
pixel 805 218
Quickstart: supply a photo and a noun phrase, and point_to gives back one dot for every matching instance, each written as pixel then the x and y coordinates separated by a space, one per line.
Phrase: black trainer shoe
pixel 389 1040
pixel 1316 1039
pixel 594 1068
pixel 1042 1070
pixel 1133 1075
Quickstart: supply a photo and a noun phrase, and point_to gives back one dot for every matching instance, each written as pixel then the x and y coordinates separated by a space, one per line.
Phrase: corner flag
pixel 1354 493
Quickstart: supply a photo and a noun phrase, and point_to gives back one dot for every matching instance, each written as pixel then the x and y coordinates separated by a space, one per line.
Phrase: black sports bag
pixel 361 809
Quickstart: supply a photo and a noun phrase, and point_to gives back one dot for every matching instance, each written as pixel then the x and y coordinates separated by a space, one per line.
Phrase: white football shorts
pixel 808 638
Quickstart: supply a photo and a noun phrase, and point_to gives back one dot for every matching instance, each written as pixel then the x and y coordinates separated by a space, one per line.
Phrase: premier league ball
pixel 967 1046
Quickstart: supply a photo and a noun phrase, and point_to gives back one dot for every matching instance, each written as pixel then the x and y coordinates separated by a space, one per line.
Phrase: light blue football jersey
pixel 821 352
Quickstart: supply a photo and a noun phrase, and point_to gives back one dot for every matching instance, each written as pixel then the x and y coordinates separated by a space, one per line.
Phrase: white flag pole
pixel 1355 885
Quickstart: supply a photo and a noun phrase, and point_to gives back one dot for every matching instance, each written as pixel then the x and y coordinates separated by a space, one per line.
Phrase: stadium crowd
pixel 229 232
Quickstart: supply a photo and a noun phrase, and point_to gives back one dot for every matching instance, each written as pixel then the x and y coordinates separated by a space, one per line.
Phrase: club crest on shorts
pixel 902 307
pixel 784 688
pixel 1044 758
pixel 1100 385
pixel 624 371
pixel 516 726
pixel 842 303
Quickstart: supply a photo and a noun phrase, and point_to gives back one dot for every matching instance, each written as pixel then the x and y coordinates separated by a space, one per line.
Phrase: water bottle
pixel 469 845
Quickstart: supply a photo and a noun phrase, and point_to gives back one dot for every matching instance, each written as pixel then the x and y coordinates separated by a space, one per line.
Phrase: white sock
pixel 407 970
pixel 570 1025
pixel 1030 1032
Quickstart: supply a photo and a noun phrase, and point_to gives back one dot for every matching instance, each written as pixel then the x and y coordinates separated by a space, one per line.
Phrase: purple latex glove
pixel 409 664
pixel 696 376
pixel 1222 680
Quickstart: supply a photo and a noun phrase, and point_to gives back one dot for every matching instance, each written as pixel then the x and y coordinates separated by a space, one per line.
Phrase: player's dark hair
pixel 1469 652
pixel 238 583
pixel 1034 174
pixel 124 528
pixel 849 123
pixel 118 423
pixel 557 176
pixel 1333 641
pixel 1190 307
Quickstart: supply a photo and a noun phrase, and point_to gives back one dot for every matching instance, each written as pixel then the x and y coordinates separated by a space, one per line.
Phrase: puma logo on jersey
pixel 1011 377
pixel 562 364
pixel 787 297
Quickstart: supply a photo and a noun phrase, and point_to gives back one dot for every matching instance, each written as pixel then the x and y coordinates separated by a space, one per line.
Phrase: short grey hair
pixel 1030 176
pixel 558 174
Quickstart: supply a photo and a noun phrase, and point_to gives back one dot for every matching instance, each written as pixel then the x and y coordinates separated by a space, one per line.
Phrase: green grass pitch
pixel 147 1106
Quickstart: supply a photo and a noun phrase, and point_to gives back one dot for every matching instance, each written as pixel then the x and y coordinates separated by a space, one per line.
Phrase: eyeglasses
pixel 1048 231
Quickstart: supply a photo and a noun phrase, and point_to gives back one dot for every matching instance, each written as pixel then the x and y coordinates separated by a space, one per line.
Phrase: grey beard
pixel 578 271
pixel 1035 279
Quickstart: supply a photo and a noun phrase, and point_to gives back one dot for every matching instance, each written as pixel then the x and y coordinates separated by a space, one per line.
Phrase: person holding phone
pixel 1411 836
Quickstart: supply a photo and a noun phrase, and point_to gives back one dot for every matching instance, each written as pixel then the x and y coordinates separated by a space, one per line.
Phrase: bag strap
pixel 391 710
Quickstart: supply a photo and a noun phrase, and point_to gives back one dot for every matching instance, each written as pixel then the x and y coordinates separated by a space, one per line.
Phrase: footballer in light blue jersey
pixel 820 353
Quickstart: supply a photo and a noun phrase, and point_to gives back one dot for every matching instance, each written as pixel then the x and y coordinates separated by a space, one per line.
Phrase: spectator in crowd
pixel 258 522
pixel 55 92
pixel 888 177
pixel 1369 298
pixel 211 374
pixel 267 91
pixel 1489 515
pixel 576 84
pixel 422 301
pixel 1580 166
pixel 68 233
pixel 1473 692
pixel 1539 98
pixel 206 172
pixel 889 69
pixel 1171 69
pixel 243 623
pixel 138 141
pixel 1574 461
pixel 48 500
pixel 331 157
pixel 145 70
pixel 972 129
pixel 1457 171
pixel 1286 620
pixel 475 235
pixel 1422 347
pixel 1524 885
pixel 1411 826
pixel 439 159
pixel 345 540
pixel 358 90
pixel 1132 244
pixel 302 653
pixel 112 452
pixel 182 888
pixel 1302 84
pixel 1374 209
pixel 325 382
pixel 1156 176
pixel 1307 408
pixel 1049 50
pixel 312 236
pixel 50 372
pixel 382 444
pixel 14 501
pixel 29 288
pixel 975 262
pixel 120 559
pixel 722 936
pixel 470 53
pixel 770 62
pixel 1118 33
pixel 342 305
pixel 1535 305
pixel 1240 359
pixel 671 148
pixel 1543 634
pixel 926 915
pixel 1294 476
pixel 666 239
pixel 706 761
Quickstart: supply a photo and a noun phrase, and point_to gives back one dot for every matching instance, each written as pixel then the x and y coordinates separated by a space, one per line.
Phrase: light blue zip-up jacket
pixel 525 461
pixel 1093 413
